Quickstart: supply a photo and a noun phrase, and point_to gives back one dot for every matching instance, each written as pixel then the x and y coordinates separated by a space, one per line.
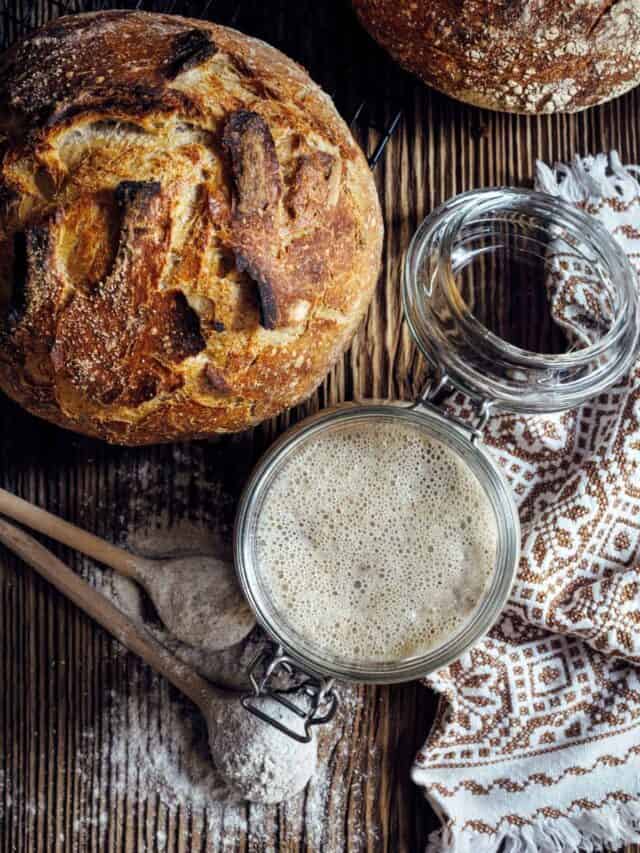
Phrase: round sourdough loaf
pixel 527 56
pixel 189 235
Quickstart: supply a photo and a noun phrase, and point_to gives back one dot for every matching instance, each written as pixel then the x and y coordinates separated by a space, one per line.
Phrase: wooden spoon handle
pixel 96 605
pixel 68 534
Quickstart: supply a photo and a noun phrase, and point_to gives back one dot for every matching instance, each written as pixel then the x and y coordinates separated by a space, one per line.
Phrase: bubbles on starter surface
pixel 376 542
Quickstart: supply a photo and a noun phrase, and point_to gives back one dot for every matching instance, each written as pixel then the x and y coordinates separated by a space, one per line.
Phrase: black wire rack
pixel 324 37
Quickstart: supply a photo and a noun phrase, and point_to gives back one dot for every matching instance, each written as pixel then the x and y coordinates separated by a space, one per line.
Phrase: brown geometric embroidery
pixel 548 811
pixel 544 779
pixel 554 684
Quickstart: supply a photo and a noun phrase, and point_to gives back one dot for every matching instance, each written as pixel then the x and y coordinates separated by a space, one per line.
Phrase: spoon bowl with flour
pixel 197 599
pixel 197 596
pixel 255 760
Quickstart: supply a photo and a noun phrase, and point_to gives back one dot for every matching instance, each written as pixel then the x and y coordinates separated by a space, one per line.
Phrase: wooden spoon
pixel 259 762
pixel 198 598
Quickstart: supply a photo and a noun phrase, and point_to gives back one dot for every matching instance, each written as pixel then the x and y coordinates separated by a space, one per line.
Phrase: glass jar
pixel 474 234
pixel 517 230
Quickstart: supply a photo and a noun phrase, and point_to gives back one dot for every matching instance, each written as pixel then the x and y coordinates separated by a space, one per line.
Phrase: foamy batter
pixel 376 542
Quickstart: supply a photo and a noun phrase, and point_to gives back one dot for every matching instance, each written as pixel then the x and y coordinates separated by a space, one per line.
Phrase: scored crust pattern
pixel 189 234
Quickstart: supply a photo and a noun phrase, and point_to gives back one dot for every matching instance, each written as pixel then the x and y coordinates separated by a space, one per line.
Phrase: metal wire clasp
pixel 319 702
pixel 433 393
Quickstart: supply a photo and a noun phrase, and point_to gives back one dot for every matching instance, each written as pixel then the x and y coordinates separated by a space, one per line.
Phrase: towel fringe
pixel 589 177
pixel 608 828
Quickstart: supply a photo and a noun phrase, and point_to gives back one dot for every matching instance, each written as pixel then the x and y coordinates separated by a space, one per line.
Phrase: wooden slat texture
pixel 59 673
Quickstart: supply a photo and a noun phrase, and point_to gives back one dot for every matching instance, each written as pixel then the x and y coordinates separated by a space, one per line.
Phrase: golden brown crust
pixel 189 234
pixel 526 56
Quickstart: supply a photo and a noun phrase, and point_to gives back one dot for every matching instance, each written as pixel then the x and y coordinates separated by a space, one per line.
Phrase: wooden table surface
pixel 60 675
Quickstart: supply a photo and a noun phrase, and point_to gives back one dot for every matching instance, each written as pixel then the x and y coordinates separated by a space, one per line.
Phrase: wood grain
pixel 59 672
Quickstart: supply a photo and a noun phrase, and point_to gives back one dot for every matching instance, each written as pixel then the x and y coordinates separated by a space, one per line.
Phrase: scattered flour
pixel 148 745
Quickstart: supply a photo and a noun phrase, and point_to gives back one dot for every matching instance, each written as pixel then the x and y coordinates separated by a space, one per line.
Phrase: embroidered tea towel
pixel 536 745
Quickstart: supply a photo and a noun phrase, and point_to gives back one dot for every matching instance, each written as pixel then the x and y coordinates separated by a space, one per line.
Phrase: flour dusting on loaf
pixel 527 56
pixel 189 235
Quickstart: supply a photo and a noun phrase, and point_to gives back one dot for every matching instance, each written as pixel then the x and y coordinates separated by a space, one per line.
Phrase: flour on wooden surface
pixel 152 747
pixel 149 746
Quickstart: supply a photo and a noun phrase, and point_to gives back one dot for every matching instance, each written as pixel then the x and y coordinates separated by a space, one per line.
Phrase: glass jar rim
pixel 310 656
pixel 620 340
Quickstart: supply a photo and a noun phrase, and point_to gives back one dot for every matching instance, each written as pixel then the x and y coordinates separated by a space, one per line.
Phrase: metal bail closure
pixel 318 701
pixel 437 389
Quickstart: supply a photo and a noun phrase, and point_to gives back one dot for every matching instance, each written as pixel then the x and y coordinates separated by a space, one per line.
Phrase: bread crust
pixel 189 234
pixel 522 56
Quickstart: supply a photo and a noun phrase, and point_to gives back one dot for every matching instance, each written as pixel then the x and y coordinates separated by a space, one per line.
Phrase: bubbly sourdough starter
pixel 376 542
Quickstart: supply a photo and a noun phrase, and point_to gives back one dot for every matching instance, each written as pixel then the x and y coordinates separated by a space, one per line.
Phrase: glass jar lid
pixel 521 244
